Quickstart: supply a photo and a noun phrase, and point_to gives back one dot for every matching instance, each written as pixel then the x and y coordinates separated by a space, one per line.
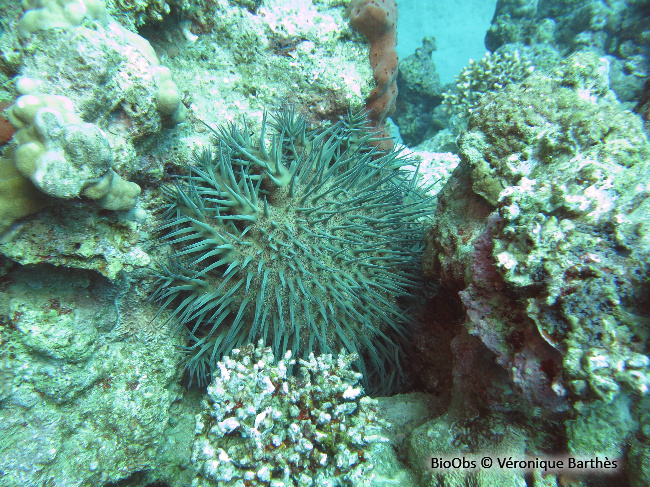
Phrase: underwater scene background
pixel 263 243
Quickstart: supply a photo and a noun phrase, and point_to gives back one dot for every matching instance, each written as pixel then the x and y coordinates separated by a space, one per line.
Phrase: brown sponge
pixel 377 20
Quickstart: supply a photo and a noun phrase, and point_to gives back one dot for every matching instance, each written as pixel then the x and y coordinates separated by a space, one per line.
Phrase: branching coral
pixel 261 427
pixel 491 73
pixel 305 239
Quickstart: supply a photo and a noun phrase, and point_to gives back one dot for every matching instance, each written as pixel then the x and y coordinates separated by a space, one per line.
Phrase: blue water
pixel 458 26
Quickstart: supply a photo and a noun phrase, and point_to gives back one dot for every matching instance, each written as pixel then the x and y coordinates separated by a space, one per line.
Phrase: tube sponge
pixel 377 20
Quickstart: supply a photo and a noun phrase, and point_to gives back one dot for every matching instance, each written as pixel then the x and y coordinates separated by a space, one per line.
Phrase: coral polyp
pixel 305 238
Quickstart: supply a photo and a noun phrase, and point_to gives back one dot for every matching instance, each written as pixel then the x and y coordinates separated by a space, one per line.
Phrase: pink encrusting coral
pixel 532 364
pixel 377 20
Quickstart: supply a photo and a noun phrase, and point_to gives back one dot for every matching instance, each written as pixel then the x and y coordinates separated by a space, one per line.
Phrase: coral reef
pixel 133 14
pixel 643 105
pixel 307 241
pixel 449 436
pixel 89 374
pixel 78 406
pixel 377 20
pixel 261 426
pixel 506 166
pixel 542 232
pixel 298 52
pixel 59 14
pixel 616 29
pixel 78 122
pixel 115 82
pixel 112 76
pixel 71 236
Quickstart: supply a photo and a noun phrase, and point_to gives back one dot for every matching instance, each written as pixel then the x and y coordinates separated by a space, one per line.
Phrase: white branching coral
pixel 263 426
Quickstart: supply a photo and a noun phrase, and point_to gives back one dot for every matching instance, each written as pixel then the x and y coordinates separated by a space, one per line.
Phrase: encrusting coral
pixel 306 242
pixel 542 232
